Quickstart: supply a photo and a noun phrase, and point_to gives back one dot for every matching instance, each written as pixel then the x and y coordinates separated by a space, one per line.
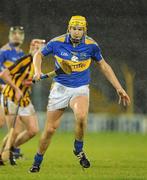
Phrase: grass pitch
pixel 119 156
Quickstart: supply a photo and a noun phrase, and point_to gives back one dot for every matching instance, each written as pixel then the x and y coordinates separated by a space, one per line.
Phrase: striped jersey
pixel 22 69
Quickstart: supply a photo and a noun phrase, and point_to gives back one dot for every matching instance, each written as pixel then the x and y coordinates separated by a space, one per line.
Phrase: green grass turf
pixel 113 156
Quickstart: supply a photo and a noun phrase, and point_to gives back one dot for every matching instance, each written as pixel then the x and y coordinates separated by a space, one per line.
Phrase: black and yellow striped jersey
pixel 23 69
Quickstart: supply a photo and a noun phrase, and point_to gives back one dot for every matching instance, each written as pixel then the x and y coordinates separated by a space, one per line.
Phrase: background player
pixel 9 53
pixel 22 72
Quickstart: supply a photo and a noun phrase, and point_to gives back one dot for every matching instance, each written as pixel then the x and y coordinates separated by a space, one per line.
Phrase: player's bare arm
pixel 37 60
pixel 35 46
pixel 111 77
pixel 5 75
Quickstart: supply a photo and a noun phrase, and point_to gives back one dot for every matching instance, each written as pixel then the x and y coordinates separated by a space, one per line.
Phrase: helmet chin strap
pixel 16 44
pixel 75 40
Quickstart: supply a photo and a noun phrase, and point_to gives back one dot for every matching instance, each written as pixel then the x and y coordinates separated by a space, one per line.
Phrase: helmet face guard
pixel 78 21
pixel 19 30
pixel 16 28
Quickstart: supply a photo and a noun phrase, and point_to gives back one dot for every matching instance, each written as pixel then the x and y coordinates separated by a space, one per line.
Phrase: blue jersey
pixel 8 56
pixel 79 58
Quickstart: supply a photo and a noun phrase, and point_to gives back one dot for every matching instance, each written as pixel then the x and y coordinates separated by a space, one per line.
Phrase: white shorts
pixel 61 95
pixel 12 107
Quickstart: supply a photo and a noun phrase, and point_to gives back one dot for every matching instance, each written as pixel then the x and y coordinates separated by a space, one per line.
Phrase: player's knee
pixel 81 120
pixel 16 133
pixel 51 130
pixel 33 132
pixel 81 116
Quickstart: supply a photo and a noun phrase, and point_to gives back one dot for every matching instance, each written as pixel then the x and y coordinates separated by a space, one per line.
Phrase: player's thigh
pixel 2 117
pixel 30 122
pixel 10 121
pixel 54 118
pixel 80 105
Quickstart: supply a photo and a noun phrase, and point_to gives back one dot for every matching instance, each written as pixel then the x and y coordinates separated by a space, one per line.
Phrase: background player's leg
pixel 17 129
pixel 2 117
pixel 31 129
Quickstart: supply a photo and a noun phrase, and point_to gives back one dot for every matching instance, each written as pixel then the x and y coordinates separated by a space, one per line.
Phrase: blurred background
pixel 119 27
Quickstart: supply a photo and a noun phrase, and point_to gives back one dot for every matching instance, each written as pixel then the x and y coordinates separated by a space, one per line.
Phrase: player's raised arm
pixel 37 60
pixel 111 77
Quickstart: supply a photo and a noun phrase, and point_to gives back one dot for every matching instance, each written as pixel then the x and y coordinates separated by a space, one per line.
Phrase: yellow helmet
pixel 78 21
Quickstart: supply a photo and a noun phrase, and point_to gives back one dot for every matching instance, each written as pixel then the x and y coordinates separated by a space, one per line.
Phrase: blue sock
pixel 16 150
pixel 78 145
pixel 38 159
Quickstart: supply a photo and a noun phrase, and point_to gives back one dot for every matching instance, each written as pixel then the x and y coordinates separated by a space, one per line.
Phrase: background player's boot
pixel 17 154
pixel 84 162
pixel 12 159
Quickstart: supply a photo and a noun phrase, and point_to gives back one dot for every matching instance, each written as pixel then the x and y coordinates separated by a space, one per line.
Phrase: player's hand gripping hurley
pixel 65 68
